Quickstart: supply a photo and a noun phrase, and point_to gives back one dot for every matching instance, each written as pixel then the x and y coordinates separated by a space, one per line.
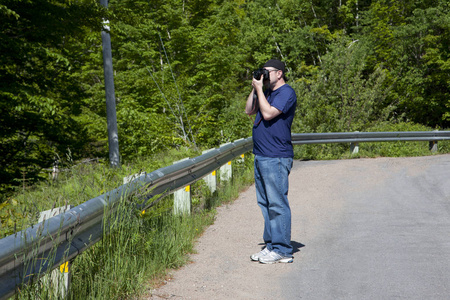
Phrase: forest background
pixel 183 70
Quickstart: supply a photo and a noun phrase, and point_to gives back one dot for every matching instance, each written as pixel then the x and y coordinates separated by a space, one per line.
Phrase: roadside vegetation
pixel 182 74
pixel 141 246
pixel 183 71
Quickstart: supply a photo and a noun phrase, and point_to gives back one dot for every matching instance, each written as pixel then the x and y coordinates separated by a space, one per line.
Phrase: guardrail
pixel 362 137
pixel 28 254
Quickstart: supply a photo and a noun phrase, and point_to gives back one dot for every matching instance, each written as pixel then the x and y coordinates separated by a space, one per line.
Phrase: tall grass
pixel 139 247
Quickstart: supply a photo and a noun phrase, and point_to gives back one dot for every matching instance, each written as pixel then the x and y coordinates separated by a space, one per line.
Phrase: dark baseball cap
pixel 275 63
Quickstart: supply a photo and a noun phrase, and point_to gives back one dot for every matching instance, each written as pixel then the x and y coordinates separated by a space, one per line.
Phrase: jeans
pixel 272 185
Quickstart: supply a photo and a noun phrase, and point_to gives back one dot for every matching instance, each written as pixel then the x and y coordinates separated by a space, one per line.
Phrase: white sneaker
pixel 257 256
pixel 273 257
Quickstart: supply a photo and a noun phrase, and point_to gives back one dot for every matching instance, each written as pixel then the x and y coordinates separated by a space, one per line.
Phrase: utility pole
pixel 113 136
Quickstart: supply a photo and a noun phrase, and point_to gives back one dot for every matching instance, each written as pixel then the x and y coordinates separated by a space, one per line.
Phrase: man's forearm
pixel 251 106
pixel 268 111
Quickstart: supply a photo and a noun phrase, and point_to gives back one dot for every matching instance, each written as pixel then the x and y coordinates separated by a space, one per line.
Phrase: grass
pixel 139 247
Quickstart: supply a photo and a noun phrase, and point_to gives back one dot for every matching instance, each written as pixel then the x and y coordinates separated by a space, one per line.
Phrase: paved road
pixel 362 229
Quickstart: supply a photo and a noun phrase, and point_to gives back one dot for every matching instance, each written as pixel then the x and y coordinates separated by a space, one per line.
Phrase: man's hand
pixel 258 84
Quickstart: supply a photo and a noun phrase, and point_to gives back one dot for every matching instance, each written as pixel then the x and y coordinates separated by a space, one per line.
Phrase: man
pixel 274 109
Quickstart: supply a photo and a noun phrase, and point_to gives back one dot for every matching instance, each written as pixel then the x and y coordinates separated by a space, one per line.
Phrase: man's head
pixel 275 63
pixel 276 70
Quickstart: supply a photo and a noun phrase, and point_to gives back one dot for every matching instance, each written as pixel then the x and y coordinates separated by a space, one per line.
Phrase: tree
pixel 341 97
pixel 423 70
pixel 410 38
pixel 39 63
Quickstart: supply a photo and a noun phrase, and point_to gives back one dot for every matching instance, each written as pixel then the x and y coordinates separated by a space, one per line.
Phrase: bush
pixel 375 149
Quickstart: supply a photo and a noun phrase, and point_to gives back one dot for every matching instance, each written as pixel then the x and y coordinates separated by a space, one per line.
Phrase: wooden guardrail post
pixel 433 146
pixel 354 147
pixel 182 199
pixel 225 170
pixel 241 158
pixel 60 277
pixel 210 179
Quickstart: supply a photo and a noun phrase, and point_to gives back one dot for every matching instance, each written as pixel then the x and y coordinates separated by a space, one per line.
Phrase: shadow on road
pixel 296 246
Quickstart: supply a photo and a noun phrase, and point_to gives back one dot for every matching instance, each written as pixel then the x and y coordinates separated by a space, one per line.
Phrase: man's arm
pixel 251 107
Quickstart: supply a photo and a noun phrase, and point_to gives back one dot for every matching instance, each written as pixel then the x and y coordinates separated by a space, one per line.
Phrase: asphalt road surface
pixel 361 229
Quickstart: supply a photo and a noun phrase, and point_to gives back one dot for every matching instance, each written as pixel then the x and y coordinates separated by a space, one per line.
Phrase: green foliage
pixel 39 64
pixel 411 40
pixel 426 69
pixel 183 70
pixel 341 97
pixel 10 215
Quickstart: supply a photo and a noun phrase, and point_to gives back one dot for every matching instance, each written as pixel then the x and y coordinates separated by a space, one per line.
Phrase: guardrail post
pixel 210 179
pixel 433 145
pixel 354 147
pixel 241 158
pixel 60 278
pixel 225 170
pixel 182 199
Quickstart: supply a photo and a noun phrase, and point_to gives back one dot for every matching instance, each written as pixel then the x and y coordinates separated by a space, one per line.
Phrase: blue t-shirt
pixel 273 138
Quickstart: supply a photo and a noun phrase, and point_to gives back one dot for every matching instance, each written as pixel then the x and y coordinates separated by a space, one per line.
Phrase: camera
pixel 257 74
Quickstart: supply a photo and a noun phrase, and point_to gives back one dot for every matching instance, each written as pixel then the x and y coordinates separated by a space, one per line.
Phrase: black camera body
pixel 257 74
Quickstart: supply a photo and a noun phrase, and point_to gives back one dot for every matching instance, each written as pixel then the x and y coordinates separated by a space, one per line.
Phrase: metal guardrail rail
pixel 362 137
pixel 28 254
